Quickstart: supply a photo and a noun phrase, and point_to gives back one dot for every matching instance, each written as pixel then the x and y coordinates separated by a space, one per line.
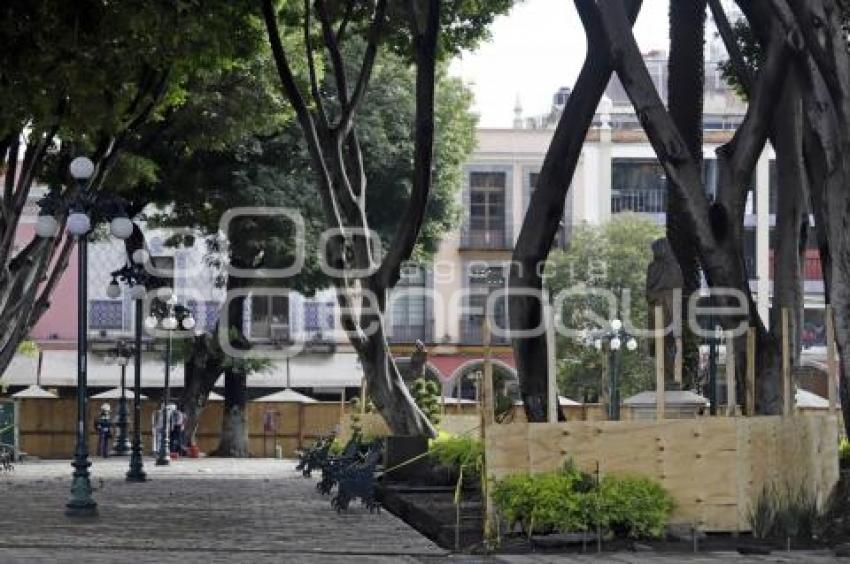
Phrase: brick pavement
pixel 214 511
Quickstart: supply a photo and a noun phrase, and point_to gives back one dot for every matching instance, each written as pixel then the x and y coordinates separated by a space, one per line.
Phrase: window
pixel 487 208
pixel 483 281
pixel 106 315
pixel 409 315
pixel 270 317
pixel 638 185
pixel 318 318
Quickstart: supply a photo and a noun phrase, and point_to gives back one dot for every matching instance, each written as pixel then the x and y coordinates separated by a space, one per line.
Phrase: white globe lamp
pixel 46 226
pixel 140 256
pixel 631 344
pixel 82 168
pixel 188 323
pixel 78 224
pixel 150 322
pixel 121 227
pixel 113 290
pixel 616 324
pixel 615 344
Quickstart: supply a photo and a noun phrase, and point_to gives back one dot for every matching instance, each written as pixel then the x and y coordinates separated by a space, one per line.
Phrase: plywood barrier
pixel 713 467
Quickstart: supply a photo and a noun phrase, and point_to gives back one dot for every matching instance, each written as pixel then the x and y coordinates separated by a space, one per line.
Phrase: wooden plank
pixel 831 364
pixel 677 371
pixel 731 399
pixel 750 400
pixel 787 397
pixel 659 363
pixel 551 370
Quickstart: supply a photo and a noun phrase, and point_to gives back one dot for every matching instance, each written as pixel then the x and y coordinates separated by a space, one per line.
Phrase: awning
pixel 115 393
pixel 808 400
pixel 286 395
pixel 34 391
pixel 59 369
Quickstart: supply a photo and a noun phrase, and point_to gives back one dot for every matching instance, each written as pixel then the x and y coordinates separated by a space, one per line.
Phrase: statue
pixel 418 359
pixel 664 284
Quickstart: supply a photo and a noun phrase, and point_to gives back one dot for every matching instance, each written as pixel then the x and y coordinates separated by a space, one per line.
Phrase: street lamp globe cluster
pixel 78 224
pixel 172 317
pixel 614 337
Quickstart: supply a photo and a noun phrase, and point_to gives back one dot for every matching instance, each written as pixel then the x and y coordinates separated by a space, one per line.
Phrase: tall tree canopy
pixel 81 78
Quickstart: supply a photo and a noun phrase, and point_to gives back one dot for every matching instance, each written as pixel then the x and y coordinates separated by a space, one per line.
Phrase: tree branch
pixel 665 138
pixel 408 228
pixel 349 109
pixel 332 46
pixel 311 66
pixel 745 75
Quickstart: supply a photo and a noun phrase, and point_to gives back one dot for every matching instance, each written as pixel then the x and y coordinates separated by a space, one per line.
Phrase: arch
pixel 473 362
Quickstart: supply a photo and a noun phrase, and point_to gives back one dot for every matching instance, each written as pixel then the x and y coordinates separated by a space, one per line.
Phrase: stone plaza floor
pixel 219 510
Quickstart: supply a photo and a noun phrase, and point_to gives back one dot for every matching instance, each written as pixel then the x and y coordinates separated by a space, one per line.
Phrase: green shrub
pixel 458 452
pixel 541 503
pixel 633 507
pixel 569 501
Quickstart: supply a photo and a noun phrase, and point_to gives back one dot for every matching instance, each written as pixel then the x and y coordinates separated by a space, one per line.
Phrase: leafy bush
pixel 426 394
pixel 569 501
pixel 458 452
pixel 633 507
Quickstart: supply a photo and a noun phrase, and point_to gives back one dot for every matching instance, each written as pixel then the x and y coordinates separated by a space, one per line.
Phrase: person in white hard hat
pixel 103 426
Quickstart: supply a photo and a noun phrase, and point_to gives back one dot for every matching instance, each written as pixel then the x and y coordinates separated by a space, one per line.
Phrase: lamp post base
pixel 81 504
pixel 136 473
pixel 163 461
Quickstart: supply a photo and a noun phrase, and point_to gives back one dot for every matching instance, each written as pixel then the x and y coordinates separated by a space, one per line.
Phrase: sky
pixel 534 50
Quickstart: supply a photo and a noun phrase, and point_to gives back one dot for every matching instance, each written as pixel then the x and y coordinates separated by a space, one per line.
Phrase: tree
pixel 328 121
pixel 268 167
pixel 81 78
pixel 717 226
pixel 614 257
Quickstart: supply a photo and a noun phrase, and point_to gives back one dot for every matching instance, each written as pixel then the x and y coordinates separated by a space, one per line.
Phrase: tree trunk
pixel 202 368
pixel 543 218
pixel 685 101
pixel 791 218
pixel 234 424
pixel 234 428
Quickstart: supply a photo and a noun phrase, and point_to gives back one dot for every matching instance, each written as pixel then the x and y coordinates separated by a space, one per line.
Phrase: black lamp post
pixel 170 318
pixel 135 276
pixel 612 340
pixel 121 355
pixel 79 225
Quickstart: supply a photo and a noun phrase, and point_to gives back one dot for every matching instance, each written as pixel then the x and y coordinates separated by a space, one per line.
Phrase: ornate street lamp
pixel 121 355
pixel 78 225
pixel 171 317
pixel 613 339
pixel 136 277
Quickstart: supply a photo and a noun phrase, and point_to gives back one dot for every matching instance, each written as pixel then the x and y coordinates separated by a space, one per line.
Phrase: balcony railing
pixel 484 239
pixel 410 333
pixel 640 201
pixel 471 333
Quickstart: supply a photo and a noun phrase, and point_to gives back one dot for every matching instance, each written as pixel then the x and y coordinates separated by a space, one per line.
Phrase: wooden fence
pixel 713 467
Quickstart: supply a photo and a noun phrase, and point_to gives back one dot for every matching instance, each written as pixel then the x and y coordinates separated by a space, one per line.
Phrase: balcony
pixel 494 239
pixel 471 332
pixel 403 334
pixel 639 201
